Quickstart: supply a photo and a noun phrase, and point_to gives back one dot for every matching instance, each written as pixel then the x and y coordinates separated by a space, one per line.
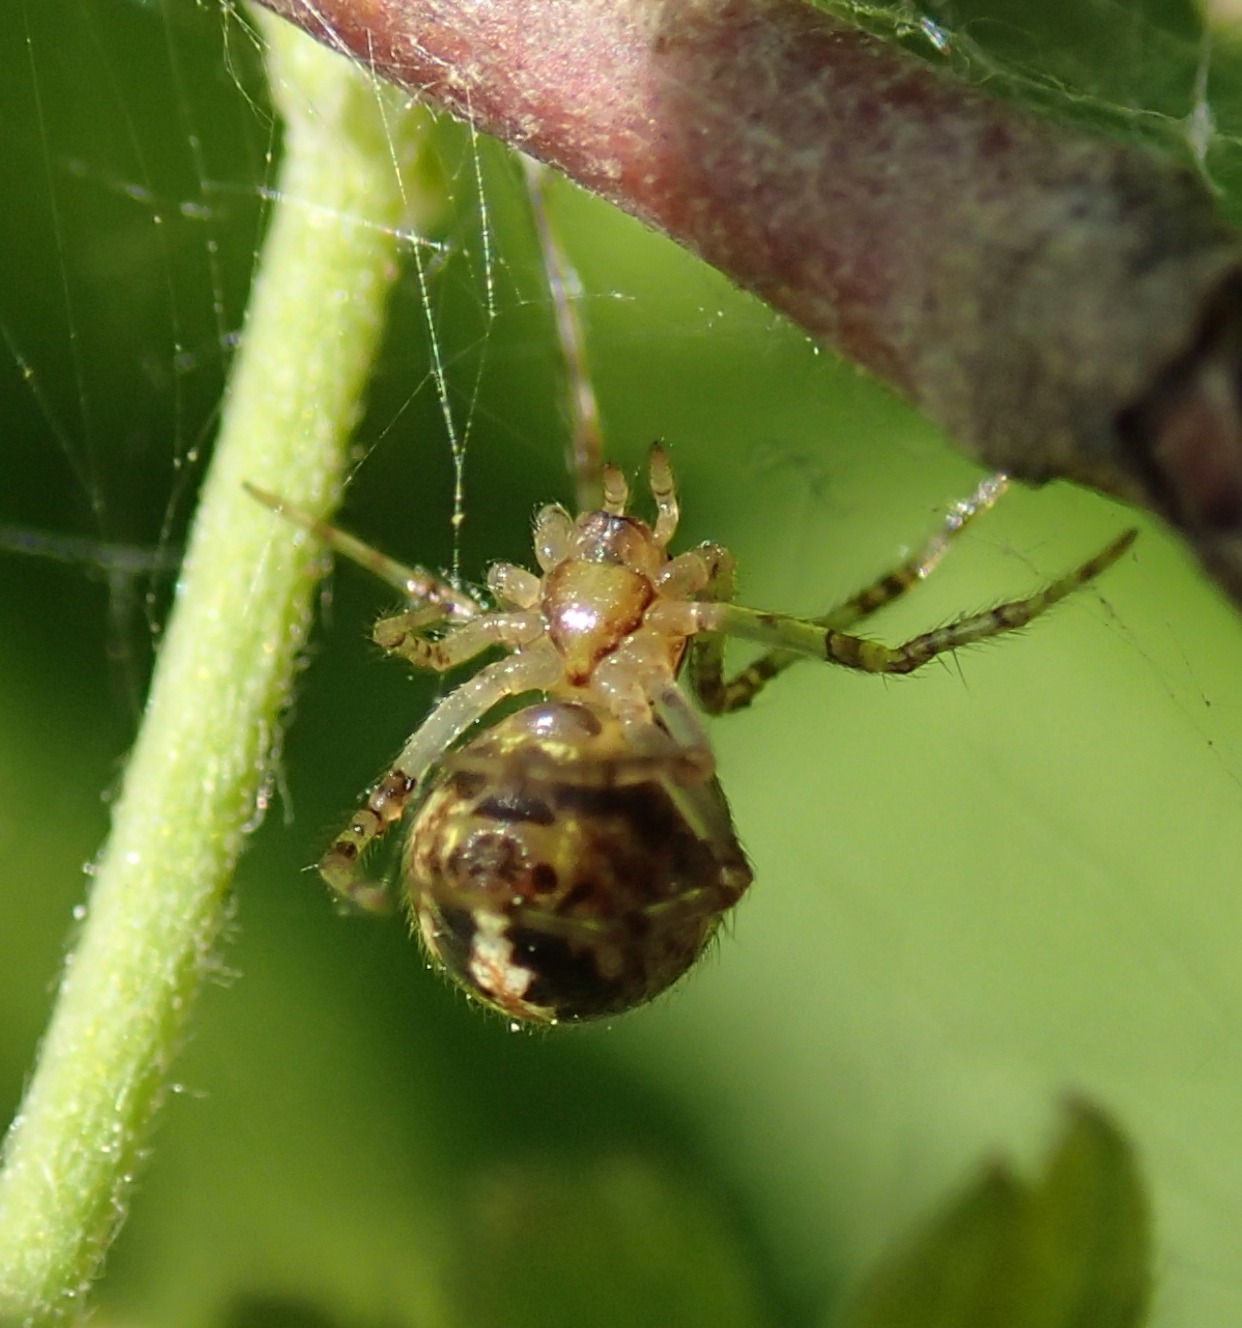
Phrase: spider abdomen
pixel 554 880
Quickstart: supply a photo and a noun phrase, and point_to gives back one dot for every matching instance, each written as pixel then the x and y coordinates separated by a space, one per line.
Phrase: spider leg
pixel 705 661
pixel 681 726
pixel 719 696
pixel 416 583
pixel 636 683
pixel 811 639
pixel 554 534
pixel 892 585
pixel 514 587
pixel 701 800
pixel 526 671
pixel 586 444
pixel 616 491
pixel 638 686
pixel 664 491
pixel 402 635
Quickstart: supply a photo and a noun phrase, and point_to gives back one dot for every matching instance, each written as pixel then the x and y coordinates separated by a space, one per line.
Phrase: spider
pixel 573 859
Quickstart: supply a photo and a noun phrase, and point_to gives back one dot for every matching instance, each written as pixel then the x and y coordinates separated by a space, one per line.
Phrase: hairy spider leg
pixel 417 584
pixel 525 671
pixel 616 491
pixel 586 441
pixel 402 635
pixel 719 696
pixel 616 494
pixel 810 639
pixel 701 800
pixel 664 491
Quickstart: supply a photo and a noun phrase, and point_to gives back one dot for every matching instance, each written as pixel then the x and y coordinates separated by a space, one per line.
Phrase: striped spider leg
pixel 433 603
pixel 826 637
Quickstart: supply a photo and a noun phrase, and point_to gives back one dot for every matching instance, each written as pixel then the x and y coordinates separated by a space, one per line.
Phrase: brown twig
pixel 1061 305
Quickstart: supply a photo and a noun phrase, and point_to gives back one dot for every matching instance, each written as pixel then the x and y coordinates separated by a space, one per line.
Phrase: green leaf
pixel 1068 1249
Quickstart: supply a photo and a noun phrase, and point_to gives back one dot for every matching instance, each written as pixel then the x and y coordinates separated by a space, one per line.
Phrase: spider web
pixel 141 154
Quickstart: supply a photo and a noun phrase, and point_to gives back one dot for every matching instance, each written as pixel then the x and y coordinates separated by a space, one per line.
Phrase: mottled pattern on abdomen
pixel 554 899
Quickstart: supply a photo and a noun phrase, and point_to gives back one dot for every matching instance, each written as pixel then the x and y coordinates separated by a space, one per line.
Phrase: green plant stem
pixel 197 778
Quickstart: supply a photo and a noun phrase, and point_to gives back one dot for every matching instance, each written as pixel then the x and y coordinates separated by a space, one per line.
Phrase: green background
pixel 976 888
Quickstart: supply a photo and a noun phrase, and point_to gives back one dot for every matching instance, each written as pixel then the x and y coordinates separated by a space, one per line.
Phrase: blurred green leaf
pixel 563 1246
pixel 1068 1249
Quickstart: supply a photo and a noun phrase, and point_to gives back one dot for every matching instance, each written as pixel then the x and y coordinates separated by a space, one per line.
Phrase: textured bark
pixel 1061 305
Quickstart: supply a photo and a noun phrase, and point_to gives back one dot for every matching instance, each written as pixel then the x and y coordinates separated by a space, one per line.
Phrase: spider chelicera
pixel 572 860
